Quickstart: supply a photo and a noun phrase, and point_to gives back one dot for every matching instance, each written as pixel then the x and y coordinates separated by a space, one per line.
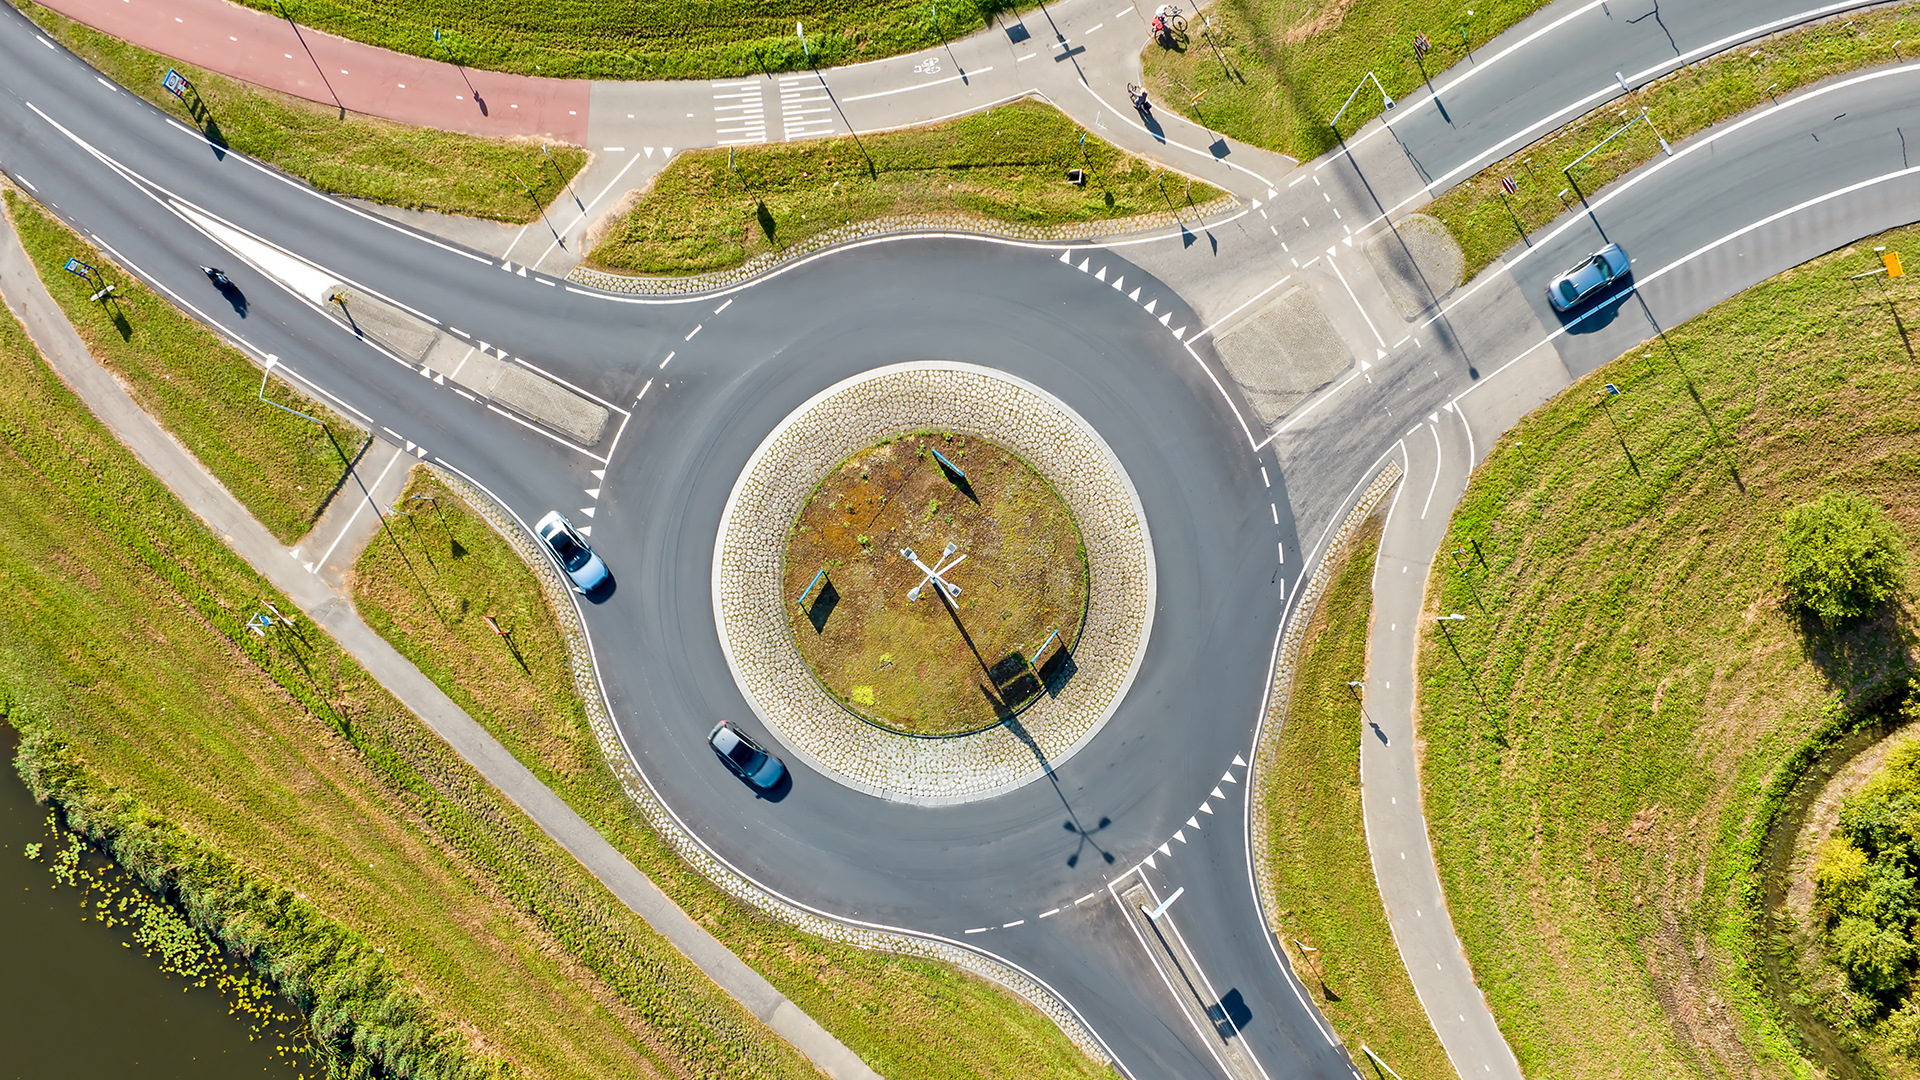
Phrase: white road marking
pixel 919 86
pixel 1050 913
pixel 1014 923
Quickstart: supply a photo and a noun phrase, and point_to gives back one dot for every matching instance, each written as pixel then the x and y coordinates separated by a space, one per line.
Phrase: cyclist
pixel 1138 94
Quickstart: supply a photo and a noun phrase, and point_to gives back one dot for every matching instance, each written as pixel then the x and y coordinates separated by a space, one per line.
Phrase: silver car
pixel 745 757
pixel 575 555
pixel 1602 268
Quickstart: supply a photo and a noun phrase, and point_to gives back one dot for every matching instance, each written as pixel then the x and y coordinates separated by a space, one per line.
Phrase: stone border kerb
pixel 749 553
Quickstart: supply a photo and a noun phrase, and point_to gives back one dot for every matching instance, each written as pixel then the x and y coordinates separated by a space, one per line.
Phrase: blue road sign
pixel 948 465
pixel 80 269
pixel 175 84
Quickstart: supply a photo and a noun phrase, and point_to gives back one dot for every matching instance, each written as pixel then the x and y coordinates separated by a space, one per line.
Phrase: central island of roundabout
pixel 934 582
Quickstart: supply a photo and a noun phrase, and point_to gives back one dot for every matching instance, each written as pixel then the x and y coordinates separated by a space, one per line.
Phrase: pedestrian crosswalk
pixel 804 106
pixel 738 112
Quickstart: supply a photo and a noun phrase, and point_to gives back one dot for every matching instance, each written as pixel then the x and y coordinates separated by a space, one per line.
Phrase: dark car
pixel 1602 268
pixel 745 757
pixel 583 567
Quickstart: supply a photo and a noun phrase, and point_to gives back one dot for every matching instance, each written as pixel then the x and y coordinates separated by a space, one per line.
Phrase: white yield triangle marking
pixel 1166 318
pixel 1180 835
pixel 648 149
pixel 420 452
pixel 1237 761
pixel 1149 861
pixel 1227 778
pixel 1218 794
pixel 1102 275
pixel 440 380
pixel 1067 257
pixel 1151 304
pixel 507 265
pixel 587 510
pixel 1379 354
pixel 1205 809
pixel 592 493
pixel 1134 295
pixel 666 151
pixel 522 272
pixel 586 530
pixel 1180 334
pixel 1117 282
pixel 1084 262
pixel 1272 194
pixel 1256 204
pixel 1433 418
pixel 409 443
pixel 1165 850
pixel 601 474
pixel 1192 824
pixel 1347 240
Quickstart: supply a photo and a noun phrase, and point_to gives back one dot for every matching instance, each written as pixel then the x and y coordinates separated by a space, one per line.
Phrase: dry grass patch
pixel 926 666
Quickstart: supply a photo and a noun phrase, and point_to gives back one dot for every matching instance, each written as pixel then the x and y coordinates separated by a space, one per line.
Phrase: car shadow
pixel 1596 315
pixel 777 792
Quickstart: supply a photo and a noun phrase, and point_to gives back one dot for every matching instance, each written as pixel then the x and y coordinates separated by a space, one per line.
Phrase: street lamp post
pixel 935 574
pixel 1364 79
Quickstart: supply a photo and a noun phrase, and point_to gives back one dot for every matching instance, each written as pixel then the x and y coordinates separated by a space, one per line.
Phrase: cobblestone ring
pixel 748 604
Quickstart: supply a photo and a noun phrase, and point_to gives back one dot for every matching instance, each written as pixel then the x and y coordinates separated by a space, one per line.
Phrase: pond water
pixel 77 1002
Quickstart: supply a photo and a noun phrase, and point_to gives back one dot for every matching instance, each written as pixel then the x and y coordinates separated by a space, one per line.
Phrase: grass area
pixel 907 664
pixel 122 635
pixel 1487 222
pixel 1607 732
pixel 280 467
pixel 1322 886
pixel 358 156
pixel 713 209
pixel 648 39
pixel 908 1019
pixel 1275 71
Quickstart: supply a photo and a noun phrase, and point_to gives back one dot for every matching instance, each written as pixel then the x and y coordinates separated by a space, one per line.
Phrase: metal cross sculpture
pixel 935 574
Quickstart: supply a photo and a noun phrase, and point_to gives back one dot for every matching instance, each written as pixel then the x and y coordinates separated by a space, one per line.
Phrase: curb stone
pixel 750 553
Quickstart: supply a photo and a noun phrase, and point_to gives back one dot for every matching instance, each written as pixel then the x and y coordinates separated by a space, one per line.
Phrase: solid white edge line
pixel 917 86
pixel 365 501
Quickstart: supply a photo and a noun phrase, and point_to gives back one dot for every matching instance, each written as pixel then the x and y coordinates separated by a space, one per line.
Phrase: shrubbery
pixel 1843 557
pixel 352 997
pixel 1867 887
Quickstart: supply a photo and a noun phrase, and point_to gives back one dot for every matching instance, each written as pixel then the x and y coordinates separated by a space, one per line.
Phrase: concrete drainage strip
pixel 751 611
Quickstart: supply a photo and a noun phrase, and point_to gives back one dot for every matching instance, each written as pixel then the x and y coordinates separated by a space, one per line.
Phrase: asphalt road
pixel 1002 863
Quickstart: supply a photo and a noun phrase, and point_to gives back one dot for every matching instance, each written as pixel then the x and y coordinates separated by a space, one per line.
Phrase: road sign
pixel 1892 259
pixel 80 269
pixel 1421 46
pixel 176 84
pixel 1509 185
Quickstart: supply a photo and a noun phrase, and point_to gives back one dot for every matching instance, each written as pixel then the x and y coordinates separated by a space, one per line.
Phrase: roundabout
pixel 1037 691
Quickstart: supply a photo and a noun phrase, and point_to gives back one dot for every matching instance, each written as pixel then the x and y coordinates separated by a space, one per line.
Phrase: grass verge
pixel 357 156
pixel 280 467
pixel 1322 885
pixel 648 39
pixel 427 585
pixel 123 638
pixel 1607 734
pixel 1487 221
pixel 1273 72
pixel 714 209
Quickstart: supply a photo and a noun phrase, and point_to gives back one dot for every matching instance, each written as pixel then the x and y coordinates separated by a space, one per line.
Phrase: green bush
pixel 1843 557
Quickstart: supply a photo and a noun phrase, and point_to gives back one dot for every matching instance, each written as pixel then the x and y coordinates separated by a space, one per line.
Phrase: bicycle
pixel 1170 13
pixel 1138 95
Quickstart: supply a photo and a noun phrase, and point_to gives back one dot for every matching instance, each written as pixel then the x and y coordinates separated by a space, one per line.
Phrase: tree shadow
pixel 1859 657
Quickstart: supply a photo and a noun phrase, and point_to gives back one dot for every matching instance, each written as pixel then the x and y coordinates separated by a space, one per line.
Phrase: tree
pixel 1843 557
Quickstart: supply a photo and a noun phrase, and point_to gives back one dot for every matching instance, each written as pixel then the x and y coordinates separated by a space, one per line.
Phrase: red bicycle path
pixel 278 54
